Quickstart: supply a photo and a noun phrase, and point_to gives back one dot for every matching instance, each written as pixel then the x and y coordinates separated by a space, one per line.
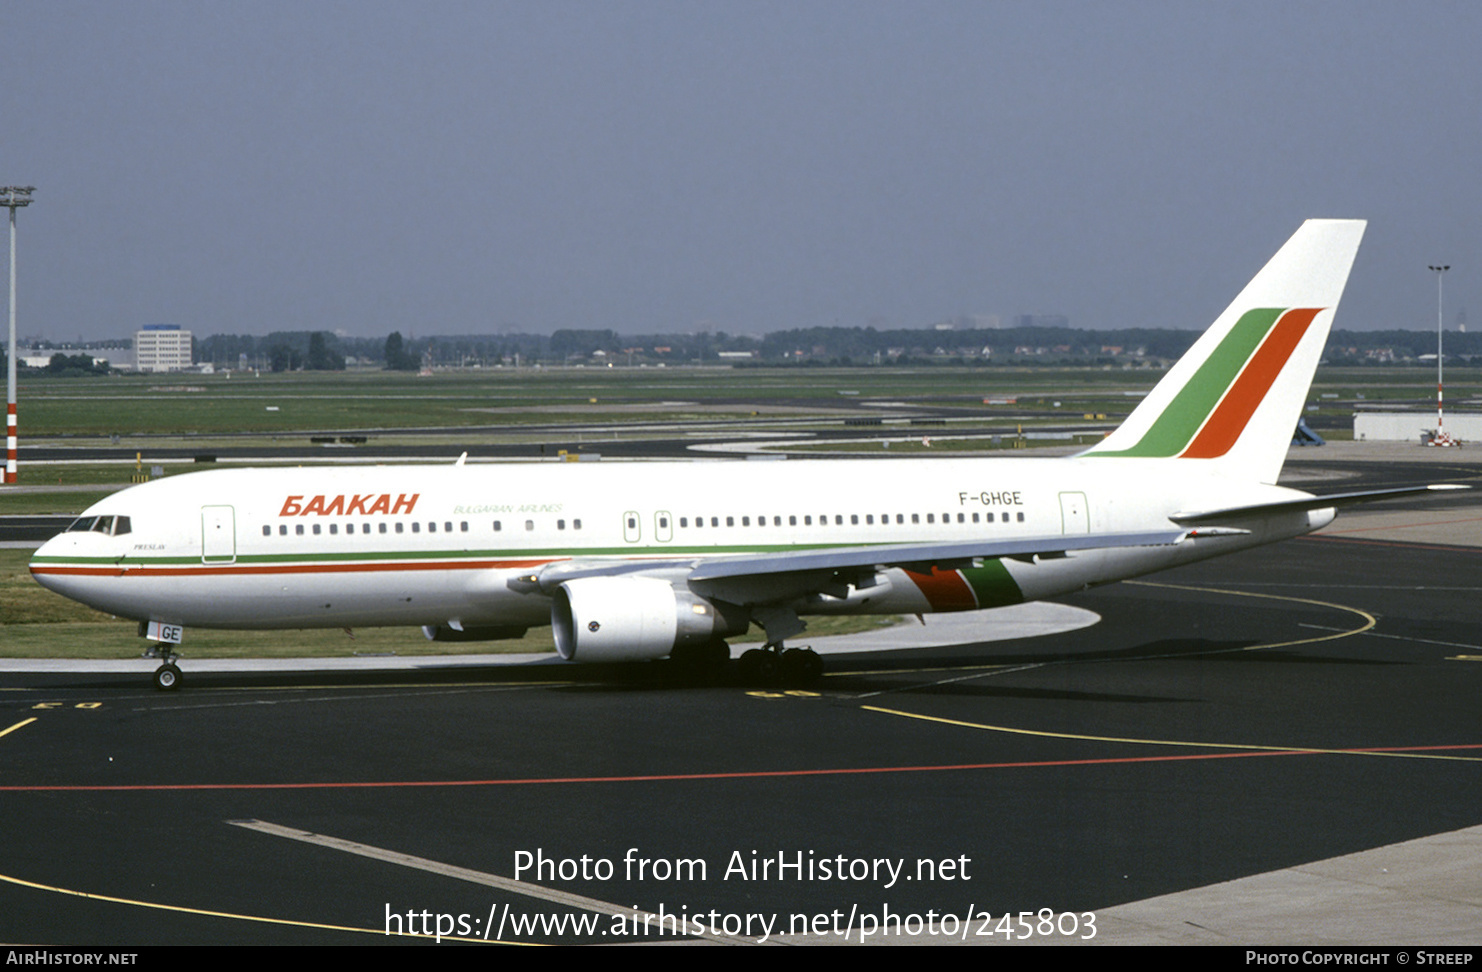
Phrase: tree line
pixel 1052 346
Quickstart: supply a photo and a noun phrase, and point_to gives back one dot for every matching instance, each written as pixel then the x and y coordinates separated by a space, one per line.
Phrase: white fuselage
pixel 434 545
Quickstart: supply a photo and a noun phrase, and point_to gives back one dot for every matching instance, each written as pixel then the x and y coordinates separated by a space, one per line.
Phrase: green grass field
pixel 299 403
pixel 141 407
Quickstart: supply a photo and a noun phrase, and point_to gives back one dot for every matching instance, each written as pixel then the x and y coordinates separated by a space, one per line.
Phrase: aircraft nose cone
pixel 45 557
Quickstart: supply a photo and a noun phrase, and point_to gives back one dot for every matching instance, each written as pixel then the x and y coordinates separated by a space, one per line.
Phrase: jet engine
pixel 604 619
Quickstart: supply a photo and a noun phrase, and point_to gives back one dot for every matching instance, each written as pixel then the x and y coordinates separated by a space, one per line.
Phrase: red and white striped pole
pixel 12 197
pixel 1440 439
pixel 10 443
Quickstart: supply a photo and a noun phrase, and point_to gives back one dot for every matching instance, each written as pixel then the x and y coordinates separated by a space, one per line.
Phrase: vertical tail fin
pixel 1237 394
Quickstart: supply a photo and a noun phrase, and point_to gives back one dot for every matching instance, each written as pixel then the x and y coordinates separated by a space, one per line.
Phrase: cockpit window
pixel 113 526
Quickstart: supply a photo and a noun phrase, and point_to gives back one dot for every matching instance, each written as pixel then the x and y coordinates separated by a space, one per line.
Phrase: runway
pixel 1280 746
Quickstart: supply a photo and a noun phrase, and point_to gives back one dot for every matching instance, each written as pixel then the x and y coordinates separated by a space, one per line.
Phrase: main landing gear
pixel 768 667
pixel 774 665
pixel 167 676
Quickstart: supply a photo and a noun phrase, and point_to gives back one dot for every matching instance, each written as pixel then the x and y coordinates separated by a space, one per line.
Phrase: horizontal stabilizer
pixel 1331 501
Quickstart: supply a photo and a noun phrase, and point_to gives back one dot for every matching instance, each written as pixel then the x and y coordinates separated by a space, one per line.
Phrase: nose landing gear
pixel 167 677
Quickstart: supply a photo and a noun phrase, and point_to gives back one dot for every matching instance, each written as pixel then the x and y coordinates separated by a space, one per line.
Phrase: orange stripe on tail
pixel 1229 419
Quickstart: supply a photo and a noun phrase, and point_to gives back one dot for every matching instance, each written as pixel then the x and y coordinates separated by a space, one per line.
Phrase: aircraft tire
pixel 167 678
pixel 801 668
pixel 758 667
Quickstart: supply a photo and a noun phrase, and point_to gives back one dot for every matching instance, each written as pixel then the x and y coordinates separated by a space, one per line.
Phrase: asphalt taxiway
pixel 1279 746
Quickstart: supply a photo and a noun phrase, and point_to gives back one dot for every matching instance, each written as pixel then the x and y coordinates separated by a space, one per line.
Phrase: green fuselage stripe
pixel 992 585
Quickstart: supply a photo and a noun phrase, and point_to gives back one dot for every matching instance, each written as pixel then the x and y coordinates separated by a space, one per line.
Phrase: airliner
pixel 639 561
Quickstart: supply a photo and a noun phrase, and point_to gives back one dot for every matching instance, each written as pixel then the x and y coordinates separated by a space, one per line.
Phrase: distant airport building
pixel 41 357
pixel 1410 426
pixel 162 347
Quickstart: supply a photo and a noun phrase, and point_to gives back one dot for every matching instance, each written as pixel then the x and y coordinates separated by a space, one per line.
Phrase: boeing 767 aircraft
pixel 640 561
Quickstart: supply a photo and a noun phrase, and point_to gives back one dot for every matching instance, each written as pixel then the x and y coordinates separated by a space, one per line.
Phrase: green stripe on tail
pixel 1176 427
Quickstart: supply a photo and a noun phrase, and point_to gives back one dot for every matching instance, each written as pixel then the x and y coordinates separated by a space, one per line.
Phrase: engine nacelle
pixel 605 619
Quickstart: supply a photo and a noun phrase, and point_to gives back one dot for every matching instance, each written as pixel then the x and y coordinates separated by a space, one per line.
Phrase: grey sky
pixel 469 167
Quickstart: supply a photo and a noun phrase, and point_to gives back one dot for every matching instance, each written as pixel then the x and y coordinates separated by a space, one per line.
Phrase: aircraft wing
pixel 1331 501
pixel 758 578
pixel 923 556
pixel 763 579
